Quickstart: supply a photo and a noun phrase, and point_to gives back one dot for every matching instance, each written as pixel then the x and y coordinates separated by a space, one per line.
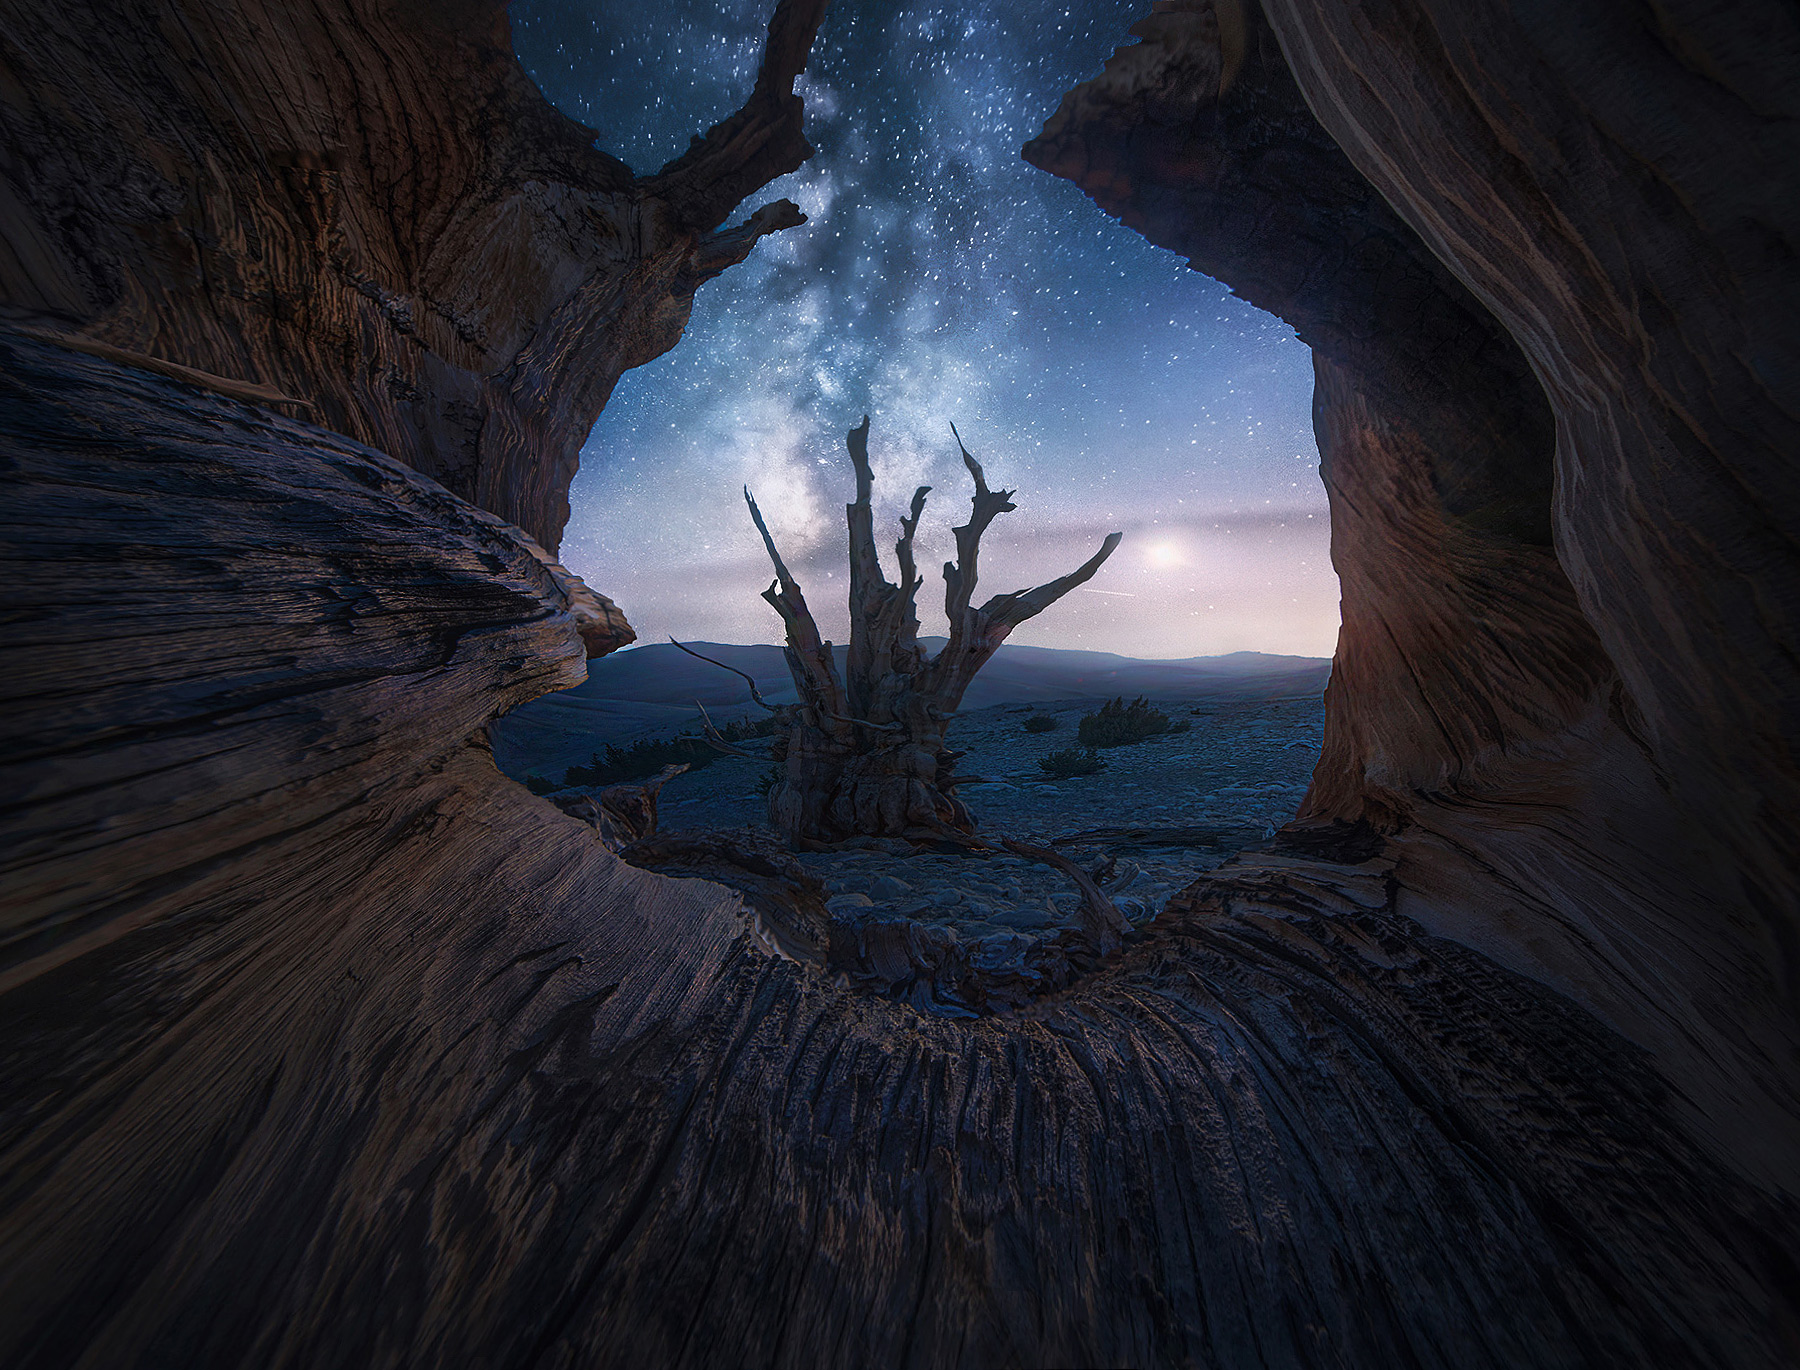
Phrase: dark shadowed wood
pixel 1477 711
pixel 366 205
pixel 367 1057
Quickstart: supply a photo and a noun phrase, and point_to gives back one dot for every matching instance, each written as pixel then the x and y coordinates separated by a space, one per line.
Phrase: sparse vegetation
pixel 642 759
pixel 1072 761
pixel 1119 724
pixel 1042 723
pixel 645 757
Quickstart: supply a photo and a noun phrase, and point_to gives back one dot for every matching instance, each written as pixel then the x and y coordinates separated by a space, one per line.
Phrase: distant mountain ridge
pixel 652 690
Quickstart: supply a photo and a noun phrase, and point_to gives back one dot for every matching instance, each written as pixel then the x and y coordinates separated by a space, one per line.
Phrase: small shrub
pixel 644 758
pixel 641 760
pixel 1042 723
pixel 770 779
pixel 1119 724
pixel 1072 761
pixel 741 728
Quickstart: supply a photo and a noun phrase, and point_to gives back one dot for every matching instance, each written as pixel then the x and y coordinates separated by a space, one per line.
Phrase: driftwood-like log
pixel 865 755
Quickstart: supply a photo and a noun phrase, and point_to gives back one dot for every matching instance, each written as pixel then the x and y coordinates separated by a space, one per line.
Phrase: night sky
pixel 938 278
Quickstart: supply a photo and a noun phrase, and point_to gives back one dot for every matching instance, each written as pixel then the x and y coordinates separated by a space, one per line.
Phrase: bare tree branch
pixel 762 141
pixel 907 655
pixel 960 576
pixel 870 593
pixel 816 678
pixel 755 694
pixel 1012 610
pixel 713 737
pixel 866 723
pixel 910 579
pixel 1102 919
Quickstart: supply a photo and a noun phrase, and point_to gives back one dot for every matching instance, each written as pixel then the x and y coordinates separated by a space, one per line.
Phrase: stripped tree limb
pixel 712 736
pixel 976 634
pixel 1014 609
pixel 1102 919
pixel 809 656
pixel 755 694
pixel 760 142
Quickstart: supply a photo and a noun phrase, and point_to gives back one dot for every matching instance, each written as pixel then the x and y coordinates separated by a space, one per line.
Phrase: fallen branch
pixel 714 739
pixel 1103 921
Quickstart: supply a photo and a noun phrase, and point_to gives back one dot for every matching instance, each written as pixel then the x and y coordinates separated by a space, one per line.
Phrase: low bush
pixel 1042 723
pixel 740 728
pixel 641 760
pixel 1119 724
pixel 644 758
pixel 1072 761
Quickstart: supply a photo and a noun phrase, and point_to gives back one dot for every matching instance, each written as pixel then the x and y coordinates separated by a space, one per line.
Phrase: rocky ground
pixel 1162 812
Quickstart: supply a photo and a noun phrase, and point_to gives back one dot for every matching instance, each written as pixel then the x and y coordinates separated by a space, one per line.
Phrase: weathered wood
pixel 1104 923
pixel 377 1059
pixel 1500 718
pixel 865 755
pixel 322 1044
pixel 366 205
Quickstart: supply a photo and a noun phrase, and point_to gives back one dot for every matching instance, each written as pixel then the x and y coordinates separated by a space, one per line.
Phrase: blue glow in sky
pixel 939 278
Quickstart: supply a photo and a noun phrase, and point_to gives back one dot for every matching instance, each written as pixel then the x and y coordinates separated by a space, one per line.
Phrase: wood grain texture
pixel 368 206
pixel 1480 710
pixel 323 1044
pixel 327 1045
pixel 1621 195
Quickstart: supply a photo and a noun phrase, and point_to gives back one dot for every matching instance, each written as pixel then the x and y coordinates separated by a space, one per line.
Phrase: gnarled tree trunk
pixel 865 755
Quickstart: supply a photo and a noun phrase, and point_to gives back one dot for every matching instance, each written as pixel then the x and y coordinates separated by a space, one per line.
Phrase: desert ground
pixel 1190 799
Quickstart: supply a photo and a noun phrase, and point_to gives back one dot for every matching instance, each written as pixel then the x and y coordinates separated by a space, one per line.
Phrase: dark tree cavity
pixel 865 754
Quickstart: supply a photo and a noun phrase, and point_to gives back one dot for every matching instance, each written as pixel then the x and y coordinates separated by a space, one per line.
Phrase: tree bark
pixel 367 206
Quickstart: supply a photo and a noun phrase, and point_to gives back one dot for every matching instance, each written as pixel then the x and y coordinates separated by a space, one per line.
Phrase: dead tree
pixel 864 753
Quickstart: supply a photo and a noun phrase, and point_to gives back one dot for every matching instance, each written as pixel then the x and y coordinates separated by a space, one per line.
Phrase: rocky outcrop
pixel 367 206
pixel 323 1044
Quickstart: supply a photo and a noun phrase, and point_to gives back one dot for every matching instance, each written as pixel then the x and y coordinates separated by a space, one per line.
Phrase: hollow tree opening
pixel 325 1046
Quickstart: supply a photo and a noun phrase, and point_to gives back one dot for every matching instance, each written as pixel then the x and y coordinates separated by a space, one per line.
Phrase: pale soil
pixel 1238 773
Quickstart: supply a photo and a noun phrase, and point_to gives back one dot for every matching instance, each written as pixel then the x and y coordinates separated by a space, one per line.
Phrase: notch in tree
pixel 865 754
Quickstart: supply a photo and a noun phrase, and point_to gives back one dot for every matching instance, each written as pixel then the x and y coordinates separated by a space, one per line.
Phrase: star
pixel 939 278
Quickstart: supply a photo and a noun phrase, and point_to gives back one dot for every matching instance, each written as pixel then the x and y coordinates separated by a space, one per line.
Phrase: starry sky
pixel 939 278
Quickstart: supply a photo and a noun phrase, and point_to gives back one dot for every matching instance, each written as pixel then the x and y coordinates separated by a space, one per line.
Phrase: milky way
pixel 938 278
